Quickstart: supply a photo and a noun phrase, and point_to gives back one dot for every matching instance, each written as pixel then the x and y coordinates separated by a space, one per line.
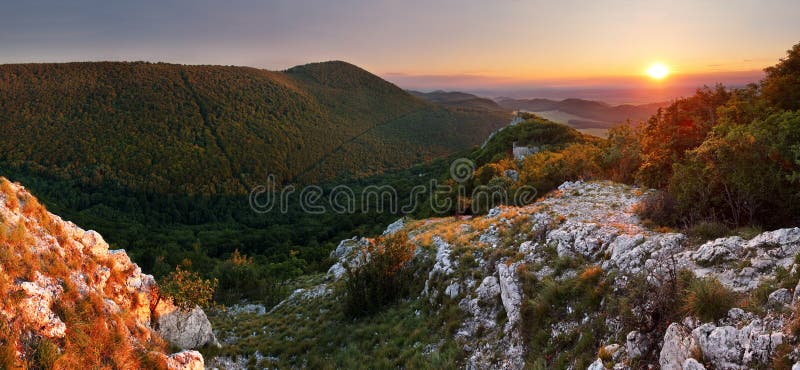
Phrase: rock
pixel 185 360
pixel 676 347
pixel 494 212
pixel 692 364
pixel 779 298
pixel 187 330
pixel 489 289
pixel 337 271
pixel 636 344
pixel 719 250
pixel 596 365
pixel 452 290
pixel 796 294
pixel 94 244
pixel 796 366
pixel 510 291
pixel 719 345
pixel 511 174
pixel 395 226
pixel 35 307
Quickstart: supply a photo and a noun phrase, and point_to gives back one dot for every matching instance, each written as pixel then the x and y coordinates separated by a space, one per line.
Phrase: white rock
pixel 596 365
pixel 675 350
pixel 636 344
pixel 692 364
pixel 719 250
pixel 489 289
pixel 452 290
pixel 510 291
pixel 187 330
pixel 779 298
pixel 395 226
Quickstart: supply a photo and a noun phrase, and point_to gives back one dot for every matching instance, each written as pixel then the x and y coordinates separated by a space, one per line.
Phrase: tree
pixel 781 86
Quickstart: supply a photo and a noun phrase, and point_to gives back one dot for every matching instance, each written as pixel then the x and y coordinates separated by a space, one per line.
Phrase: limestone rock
pixel 676 347
pixel 395 227
pixel 692 364
pixel 185 360
pixel 510 291
pixel 596 365
pixel 779 298
pixel 187 330
pixel 636 344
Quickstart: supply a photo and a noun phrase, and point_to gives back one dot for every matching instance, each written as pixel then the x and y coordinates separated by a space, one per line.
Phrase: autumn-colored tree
pixel 187 289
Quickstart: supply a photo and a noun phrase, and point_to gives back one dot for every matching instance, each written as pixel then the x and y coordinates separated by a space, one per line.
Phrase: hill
pixel 219 130
pixel 587 113
pixel 459 100
pixel 573 280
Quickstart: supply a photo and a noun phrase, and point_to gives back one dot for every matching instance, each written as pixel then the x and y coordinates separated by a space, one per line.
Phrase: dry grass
pixel 94 339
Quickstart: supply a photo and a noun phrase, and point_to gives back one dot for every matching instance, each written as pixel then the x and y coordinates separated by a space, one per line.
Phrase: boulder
pixel 719 250
pixel 676 347
pixel 185 329
pixel 510 291
pixel 779 298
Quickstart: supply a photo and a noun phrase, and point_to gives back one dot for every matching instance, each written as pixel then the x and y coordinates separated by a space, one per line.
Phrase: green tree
pixel 781 86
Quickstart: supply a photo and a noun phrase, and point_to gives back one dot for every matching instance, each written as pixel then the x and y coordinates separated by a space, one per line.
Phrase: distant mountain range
pixel 459 100
pixel 220 129
pixel 583 114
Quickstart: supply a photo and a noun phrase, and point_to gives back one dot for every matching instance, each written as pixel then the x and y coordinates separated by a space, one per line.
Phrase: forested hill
pixel 220 130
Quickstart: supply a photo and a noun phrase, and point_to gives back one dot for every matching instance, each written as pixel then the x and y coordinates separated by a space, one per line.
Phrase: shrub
pixel 240 278
pixel 708 299
pixel 706 230
pixel 44 354
pixel 382 275
pixel 658 207
pixel 186 289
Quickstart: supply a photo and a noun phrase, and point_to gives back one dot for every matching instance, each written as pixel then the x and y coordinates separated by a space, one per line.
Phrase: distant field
pixel 585 126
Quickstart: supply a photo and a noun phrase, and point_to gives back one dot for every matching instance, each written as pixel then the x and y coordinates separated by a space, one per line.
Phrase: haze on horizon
pixel 513 47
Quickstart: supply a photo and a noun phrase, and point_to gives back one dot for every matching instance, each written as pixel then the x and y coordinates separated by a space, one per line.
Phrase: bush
pixel 186 289
pixel 658 207
pixel 44 354
pixel 240 278
pixel 708 299
pixel 705 230
pixel 381 276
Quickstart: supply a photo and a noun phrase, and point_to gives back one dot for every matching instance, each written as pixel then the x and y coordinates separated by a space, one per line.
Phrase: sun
pixel 658 71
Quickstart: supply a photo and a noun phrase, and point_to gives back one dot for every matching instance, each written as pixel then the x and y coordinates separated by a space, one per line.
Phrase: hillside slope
pixel 574 280
pixel 68 302
pixel 219 130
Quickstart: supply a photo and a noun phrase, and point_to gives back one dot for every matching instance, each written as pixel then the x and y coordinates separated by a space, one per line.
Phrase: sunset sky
pixel 470 44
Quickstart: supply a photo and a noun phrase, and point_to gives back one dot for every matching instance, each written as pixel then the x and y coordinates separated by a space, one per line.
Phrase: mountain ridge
pixel 216 129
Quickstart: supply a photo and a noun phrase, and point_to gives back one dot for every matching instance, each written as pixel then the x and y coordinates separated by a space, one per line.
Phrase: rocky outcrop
pixel 53 263
pixel 483 263
pixel 184 329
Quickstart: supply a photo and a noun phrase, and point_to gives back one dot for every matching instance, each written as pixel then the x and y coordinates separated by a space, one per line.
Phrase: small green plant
pixel 708 299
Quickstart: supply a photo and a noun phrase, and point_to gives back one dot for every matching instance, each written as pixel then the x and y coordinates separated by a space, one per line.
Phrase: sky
pixel 495 46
